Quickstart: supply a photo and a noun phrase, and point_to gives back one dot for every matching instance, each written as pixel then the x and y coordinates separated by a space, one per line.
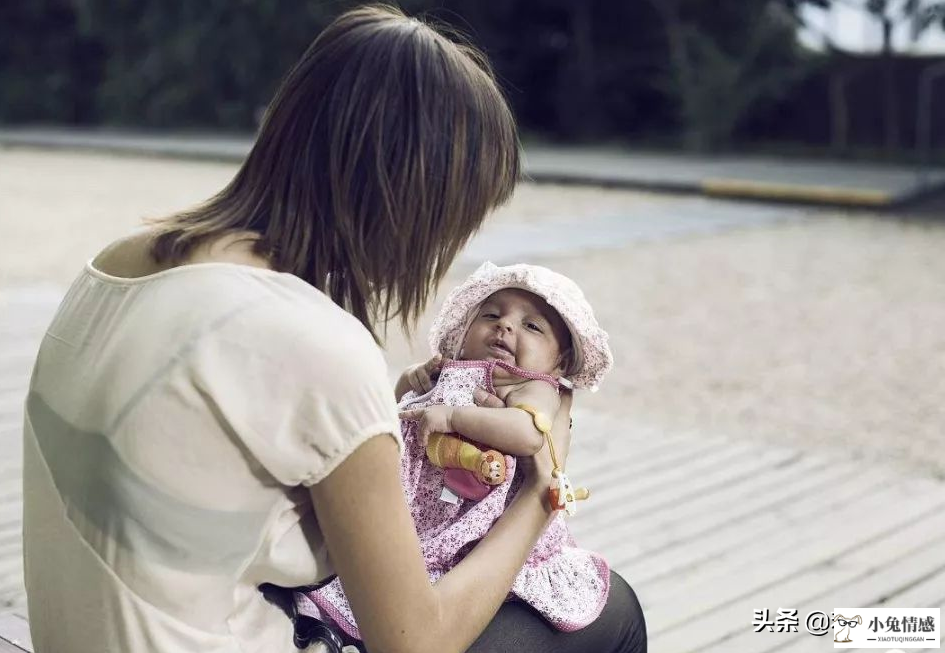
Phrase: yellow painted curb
pixel 773 190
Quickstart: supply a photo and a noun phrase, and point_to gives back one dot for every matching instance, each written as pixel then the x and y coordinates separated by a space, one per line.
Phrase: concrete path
pixel 819 182
pixel 647 220
pixel 854 184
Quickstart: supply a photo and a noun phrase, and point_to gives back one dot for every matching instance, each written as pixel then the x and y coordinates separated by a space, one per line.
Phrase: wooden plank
pixel 801 641
pixel 799 585
pixel 757 524
pixel 632 461
pixel 820 542
pixel 9 647
pixel 11 577
pixel 11 512
pixel 12 467
pixel 732 503
pixel 607 461
pixel 731 498
pixel 17 363
pixel 664 489
pixel 11 535
pixel 612 531
pixel 926 593
pixel 11 487
pixel 870 589
pixel 732 561
pixel 10 547
pixel 15 381
pixel 885 565
pixel 652 475
pixel 15 634
pixel 724 504
pixel 718 631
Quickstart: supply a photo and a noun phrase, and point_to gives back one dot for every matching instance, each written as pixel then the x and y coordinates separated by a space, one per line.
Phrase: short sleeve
pixel 300 387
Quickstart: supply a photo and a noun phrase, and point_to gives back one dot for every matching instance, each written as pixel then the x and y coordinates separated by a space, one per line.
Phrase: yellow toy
pixel 450 452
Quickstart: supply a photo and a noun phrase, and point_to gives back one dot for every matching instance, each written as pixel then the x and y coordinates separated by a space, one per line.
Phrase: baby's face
pixel 520 328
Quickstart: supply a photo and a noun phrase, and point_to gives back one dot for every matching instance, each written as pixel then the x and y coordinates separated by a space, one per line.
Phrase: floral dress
pixel 567 585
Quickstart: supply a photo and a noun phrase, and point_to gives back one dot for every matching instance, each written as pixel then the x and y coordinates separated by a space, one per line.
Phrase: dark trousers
pixel 518 628
pixel 620 628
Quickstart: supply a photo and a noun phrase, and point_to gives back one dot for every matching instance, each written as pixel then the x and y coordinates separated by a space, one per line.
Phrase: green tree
pixel 48 70
pixel 723 58
pixel 183 63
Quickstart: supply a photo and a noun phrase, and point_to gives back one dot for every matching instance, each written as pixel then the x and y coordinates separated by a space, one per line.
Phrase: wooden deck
pixel 14 634
pixel 705 529
pixel 708 530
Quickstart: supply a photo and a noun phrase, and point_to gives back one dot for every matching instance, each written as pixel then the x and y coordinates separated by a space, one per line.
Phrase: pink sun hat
pixel 592 356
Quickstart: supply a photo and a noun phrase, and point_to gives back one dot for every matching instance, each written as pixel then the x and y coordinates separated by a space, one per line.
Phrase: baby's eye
pixel 533 327
pixel 491 316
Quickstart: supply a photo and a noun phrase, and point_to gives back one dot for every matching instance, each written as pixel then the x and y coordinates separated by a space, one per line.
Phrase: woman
pixel 209 411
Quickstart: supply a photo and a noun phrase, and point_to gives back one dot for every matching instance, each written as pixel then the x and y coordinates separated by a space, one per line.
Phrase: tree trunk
pixel 839 113
pixel 890 96
pixel 586 99
pixel 694 136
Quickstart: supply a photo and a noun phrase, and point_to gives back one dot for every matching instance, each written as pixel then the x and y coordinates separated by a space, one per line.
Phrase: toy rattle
pixel 448 451
pixel 561 494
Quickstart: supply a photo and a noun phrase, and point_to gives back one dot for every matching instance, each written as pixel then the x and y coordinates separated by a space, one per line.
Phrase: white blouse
pixel 172 427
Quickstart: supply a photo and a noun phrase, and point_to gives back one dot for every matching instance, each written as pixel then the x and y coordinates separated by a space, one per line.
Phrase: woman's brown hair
pixel 381 153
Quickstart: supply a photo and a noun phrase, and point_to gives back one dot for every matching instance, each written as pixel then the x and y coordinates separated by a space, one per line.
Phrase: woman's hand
pixel 538 468
pixel 422 377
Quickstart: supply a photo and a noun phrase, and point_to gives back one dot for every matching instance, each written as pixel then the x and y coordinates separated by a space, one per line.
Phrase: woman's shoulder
pixel 268 316
pixel 291 314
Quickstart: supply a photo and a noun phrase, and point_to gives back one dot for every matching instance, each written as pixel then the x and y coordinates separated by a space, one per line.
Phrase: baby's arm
pixel 510 430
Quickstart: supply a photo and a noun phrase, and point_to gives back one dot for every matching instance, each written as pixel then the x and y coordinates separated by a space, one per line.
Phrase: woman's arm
pixel 509 430
pixel 375 550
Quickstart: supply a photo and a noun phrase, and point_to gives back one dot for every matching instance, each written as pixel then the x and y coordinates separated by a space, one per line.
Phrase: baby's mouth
pixel 501 349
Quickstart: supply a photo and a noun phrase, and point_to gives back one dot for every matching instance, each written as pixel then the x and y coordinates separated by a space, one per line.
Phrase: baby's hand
pixel 484 399
pixel 422 377
pixel 432 419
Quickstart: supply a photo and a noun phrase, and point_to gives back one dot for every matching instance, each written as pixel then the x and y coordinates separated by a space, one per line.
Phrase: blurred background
pixel 839 77
pixel 750 193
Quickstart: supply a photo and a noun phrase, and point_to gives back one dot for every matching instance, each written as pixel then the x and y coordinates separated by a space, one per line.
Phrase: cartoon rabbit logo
pixel 842 626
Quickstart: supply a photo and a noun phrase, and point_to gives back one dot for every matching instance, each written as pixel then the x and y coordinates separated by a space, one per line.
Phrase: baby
pixel 519 332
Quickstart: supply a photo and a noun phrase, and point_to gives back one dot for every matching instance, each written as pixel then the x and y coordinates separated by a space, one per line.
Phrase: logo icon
pixel 883 628
pixel 842 626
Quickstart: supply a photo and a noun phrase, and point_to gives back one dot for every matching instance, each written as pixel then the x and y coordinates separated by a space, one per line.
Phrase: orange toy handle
pixel 559 479
pixel 580 494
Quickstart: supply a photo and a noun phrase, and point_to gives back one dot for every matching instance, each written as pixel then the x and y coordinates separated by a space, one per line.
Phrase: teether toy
pixel 561 495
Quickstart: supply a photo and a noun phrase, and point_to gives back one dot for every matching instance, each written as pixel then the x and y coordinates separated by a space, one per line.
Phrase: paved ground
pixel 795 180
pixel 817 182
pixel 771 435
pixel 24 314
